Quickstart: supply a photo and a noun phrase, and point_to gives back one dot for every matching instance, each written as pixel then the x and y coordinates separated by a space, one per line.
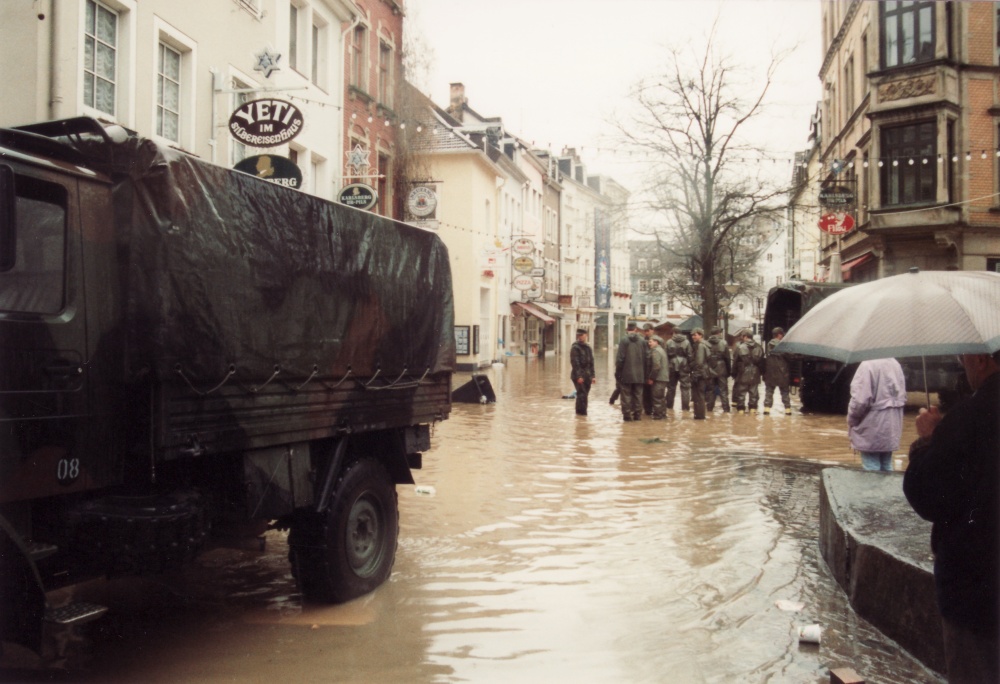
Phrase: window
pixel 849 88
pixel 385 74
pixel 35 281
pixel 769 257
pixel 314 71
pixel 907 32
pixel 656 309
pixel 168 94
pixel 238 151
pixel 100 59
pixel 293 36
pixel 993 264
pixel 359 67
pixel 320 60
pixel 642 264
pixel 909 171
pixel 642 309
pixel 670 305
pixel 656 285
pixel 643 286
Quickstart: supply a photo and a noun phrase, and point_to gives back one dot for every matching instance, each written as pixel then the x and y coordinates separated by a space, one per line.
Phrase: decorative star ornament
pixel 357 159
pixel 267 61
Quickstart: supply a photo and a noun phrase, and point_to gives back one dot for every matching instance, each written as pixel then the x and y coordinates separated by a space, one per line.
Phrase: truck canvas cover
pixel 229 272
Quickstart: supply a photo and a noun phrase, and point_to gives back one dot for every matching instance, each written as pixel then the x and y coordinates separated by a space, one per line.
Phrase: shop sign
pixel 523 282
pixel 837 223
pixel 836 196
pixel 422 202
pixel 273 169
pixel 524 264
pixel 358 195
pixel 265 122
pixel 522 246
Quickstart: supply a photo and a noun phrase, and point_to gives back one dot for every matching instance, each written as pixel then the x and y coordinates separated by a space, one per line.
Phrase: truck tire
pixel 349 549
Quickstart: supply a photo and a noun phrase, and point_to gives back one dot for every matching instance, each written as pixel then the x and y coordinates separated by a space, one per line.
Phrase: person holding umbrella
pixel 952 481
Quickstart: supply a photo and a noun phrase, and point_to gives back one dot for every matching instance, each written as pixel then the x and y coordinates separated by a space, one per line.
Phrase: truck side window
pixel 35 282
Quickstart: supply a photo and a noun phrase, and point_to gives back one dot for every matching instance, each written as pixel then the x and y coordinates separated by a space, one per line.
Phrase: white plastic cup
pixel 810 634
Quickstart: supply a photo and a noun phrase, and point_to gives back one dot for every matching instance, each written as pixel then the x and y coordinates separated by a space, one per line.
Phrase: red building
pixel 374 72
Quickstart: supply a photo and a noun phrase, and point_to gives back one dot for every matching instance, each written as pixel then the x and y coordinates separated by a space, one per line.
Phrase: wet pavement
pixel 538 546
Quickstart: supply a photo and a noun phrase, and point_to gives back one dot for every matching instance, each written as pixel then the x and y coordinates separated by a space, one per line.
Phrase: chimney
pixel 458 100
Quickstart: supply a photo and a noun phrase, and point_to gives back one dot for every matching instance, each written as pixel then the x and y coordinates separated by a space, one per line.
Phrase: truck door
pixel 43 374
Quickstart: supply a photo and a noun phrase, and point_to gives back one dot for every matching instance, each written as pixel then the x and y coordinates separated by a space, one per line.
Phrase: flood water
pixel 545 547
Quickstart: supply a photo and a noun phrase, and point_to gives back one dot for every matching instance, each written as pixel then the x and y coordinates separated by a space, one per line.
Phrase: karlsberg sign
pixel 265 123
pixel 358 195
pixel 272 168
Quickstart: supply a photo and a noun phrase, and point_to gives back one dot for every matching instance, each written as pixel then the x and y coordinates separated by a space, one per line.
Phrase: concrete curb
pixel 878 549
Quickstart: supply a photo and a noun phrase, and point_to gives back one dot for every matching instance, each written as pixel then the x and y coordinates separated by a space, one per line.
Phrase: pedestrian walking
pixel 679 356
pixel 699 372
pixel 952 481
pixel 630 372
pixel 747 362
pixel 719 367
pixel 776 374
pixel 581 359
pixel 657 377
pixel 875 413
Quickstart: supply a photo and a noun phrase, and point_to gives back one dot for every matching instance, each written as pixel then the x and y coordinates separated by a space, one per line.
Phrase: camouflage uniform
pixel 656 380
pixel 719 367
pixel 699 372
pixel 679 355
pixel 746 370
pixel 630 373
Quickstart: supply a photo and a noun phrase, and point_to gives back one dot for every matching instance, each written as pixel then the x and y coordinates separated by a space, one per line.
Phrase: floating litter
pixel 424 490
pixel 809 634
pixel 790 606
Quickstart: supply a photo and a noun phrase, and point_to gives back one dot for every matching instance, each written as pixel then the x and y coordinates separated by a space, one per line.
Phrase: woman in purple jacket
pixel 875 414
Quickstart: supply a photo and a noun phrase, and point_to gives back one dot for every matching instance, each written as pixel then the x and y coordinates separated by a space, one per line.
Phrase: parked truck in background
pixel 825 384
pixel 185 351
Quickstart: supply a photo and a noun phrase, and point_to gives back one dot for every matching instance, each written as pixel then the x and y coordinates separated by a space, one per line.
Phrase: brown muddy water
pixel 538 547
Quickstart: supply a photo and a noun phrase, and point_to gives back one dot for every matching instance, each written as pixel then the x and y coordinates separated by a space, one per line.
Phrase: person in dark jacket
pixel 647 390
pixel 630 372
pixel 952 481
pixel 776 374
pixel 718 370
pixel 581 360
pixel 679 356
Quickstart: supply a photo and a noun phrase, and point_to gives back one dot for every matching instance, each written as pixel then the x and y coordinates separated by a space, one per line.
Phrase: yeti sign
pixel 265 123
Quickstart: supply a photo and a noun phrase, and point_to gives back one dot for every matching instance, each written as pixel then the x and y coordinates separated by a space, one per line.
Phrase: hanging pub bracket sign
pixel 266 122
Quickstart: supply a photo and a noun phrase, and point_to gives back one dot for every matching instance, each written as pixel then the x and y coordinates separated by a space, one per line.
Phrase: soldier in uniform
pixel 776 374
pixel 749 359
pixel 699 372
pixel 581 359
pixel 719 367
pixel 630 372
pixel 679 356
pixel 657 378
pixel 647 389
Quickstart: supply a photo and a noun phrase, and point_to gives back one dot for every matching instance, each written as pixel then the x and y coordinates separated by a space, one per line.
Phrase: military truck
pixel 186 352
pixel 825 384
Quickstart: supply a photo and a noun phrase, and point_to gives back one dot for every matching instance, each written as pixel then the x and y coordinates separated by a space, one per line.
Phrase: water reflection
pixel 554 548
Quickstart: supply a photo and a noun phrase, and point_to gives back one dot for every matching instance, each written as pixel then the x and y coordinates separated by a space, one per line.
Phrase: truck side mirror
pixel 8 219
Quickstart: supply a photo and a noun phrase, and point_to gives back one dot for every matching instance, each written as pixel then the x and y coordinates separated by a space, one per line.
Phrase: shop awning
pixel 551 310
pixel 548 320
pixel 845 268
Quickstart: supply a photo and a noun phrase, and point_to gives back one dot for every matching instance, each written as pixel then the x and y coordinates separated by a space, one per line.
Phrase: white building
pixel 174 71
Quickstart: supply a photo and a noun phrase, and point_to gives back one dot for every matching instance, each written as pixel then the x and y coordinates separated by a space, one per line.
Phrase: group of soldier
pixel 648 371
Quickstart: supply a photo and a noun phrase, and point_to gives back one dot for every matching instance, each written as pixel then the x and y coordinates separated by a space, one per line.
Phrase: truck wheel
pixel 348 550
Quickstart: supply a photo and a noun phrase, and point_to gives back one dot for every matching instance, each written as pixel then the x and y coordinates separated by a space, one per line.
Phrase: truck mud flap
pixel 478 390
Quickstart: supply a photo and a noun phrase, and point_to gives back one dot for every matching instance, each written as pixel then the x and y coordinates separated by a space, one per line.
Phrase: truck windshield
pixel 34 284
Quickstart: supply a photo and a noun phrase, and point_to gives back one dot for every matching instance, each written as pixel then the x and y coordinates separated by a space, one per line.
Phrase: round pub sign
pixel 524 264
pixel 358 195
pixel 265 123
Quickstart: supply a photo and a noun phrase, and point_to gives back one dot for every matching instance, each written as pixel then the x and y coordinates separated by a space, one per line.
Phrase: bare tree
pixel 692 121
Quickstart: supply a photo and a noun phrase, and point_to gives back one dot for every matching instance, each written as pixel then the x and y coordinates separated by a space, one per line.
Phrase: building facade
pixel 373 77
pixel 165 69
pixel 911 124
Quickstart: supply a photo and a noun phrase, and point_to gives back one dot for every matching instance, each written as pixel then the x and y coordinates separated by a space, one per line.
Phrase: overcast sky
pixel 557 71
